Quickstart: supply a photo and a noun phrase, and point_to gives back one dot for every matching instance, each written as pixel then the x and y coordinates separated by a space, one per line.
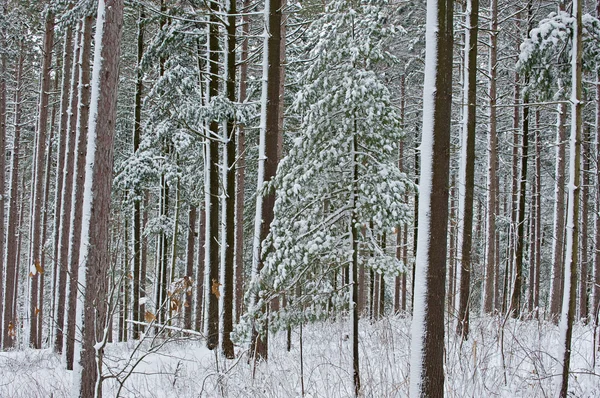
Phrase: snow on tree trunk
pixel 228 204
pixel 137 211
pixel 67 141
pixel 3 71
pixel 77 189
pixel 572 237
pixel 212 191
pixel 267 150
pixel 94 253
pixel 490 260
pixel 559 217
pixel 12 237
pixel 35 267
pixel 466 178
pixel 427 342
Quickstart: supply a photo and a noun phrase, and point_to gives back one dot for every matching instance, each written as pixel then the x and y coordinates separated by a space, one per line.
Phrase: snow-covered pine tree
pixel 340 173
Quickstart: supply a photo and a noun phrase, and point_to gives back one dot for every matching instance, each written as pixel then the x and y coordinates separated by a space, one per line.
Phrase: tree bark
pixel 572 232
pixel 492 189
pixel 35 268
pixel 12 235
pixel 94 250
pixel 66 184
pixel 138 315
pixel 77 189
pixel 267 157
pixel 212 191
pixel 467 168
pixel 427 346
pixel 228 233
pixel 189 268
pixel 559 217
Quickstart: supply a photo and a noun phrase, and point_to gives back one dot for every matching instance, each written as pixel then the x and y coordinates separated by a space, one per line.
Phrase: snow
pixel 425 189
pixel 185 368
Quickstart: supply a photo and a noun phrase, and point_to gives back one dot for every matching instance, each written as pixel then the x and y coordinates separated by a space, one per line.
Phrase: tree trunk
pixel 228 207
pixel 427 345
pixel 77 190
pixel 515 302
pixel 189 265
pixel 66 184
pixel 3 72
pixel 94 250
pixel 467 168
pixel 35 268
pixel 212 191
pixel 199 326
pixel 12 235
pixel 138 315
pixel 490 260
pixel 572 238
pixel 267 156
pixel 559 217
pixel 583 256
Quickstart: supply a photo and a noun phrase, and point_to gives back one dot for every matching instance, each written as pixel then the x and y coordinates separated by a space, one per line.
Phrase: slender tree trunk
pixel 68 140
pixel 559 217
pixel 490 261
pixel 35 268
pixel 268 160
pixel 452 251
pixel 354 281
pixel 199 315
pixel 583 256
pixel 3 72
pixel 228 233
pixel 538 220
pixel 427 345
pixel 467 168
pixel 12 232
pixel 212 191
pixel 572 238
pixel 94 250
pixel 240 172
pixel 189 266
pixel 138 315
pixel 77 190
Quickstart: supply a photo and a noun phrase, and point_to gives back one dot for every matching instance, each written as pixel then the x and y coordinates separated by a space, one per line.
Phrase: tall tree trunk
pixel 538 220
pixel 596 289
pixel 267 151
pixel 66 184
pixel 138 316
pixel 212 191
pixel 12 235
pixel 94 249
pixel 427 345
pixel 77 189
pixel 583 222
pixel 189 265
pixel 572 238
pixel 228 207
pixel 3 71
pixel 354 273
pixel 199 314
pixel 559 217
pixel 467 168
pixel 490 261
pixel 35 268
pixel 240 172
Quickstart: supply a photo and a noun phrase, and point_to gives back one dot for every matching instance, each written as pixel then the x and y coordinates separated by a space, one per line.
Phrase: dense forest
pixel 299 198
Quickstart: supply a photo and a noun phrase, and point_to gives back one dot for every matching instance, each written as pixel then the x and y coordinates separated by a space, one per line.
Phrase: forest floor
pixel 502 358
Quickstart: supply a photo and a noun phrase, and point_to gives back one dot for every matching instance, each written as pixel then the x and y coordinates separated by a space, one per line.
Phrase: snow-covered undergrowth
pixel 525 363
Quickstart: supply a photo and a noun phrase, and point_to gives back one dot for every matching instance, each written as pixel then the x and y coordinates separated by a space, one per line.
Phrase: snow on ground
pixel 530 352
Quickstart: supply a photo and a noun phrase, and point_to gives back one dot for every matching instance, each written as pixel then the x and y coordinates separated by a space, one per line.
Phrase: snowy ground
pixel 525 364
